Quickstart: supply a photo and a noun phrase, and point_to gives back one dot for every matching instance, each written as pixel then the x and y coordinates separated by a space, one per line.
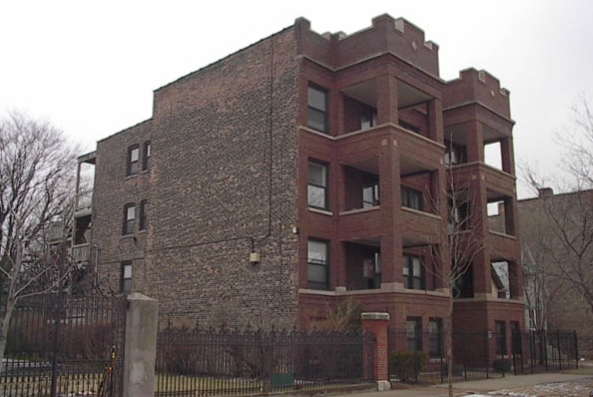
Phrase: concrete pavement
pixel 484 386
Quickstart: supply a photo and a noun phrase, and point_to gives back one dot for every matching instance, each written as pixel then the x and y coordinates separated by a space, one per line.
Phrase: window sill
pixel 320 211
pixel 360 210
pixel 425 292
pixel 501 234
pixel 419 212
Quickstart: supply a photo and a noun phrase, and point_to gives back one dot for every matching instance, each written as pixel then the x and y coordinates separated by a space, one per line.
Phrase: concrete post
pixel 140 348
pixel 377 324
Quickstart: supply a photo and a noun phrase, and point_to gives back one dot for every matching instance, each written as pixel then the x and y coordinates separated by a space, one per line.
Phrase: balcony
pixel 81 254
pixel 495 179
pixel 84 203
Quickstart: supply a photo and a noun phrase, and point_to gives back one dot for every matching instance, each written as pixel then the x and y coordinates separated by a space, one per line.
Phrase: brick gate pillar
pixel 377 324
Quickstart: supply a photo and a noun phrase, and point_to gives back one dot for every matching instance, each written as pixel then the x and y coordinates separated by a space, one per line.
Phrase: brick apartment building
pixel 556 256
pixel 303 170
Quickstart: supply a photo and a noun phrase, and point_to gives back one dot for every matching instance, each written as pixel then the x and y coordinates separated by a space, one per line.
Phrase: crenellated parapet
pixel 477 86
pixel 387 35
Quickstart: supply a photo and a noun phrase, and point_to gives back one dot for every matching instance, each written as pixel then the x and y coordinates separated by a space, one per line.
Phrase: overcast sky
pixel 90 67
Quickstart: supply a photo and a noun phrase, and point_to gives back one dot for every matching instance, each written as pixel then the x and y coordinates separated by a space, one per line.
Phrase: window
pixel 317 264
pixel 501 337
pixel 411 198
pixel 143 222
pixel 454 154
pixel 129 218
pixel 516 347
pixel 126 277
pixel 317 109
pixel 435 335
pixel 414 333
pixel 371 269
pixel 317 190
pixel 458 213
pixel 408 126
pixel 463 286
pixel 146 156
pixel 370 193
pixel 133 158
pixel 413 272
pixel 368 118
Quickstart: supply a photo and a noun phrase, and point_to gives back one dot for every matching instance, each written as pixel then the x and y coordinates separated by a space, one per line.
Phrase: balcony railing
pixel 84 200
pixel 81 253
pixel 56 232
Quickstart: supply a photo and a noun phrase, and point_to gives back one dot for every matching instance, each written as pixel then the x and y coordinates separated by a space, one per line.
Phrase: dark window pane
pixel 129 218
pixel 126 277
pixel 317 269
pixel 133 157
pixel 411 198
pixel 317 99
pixel 143 215
pixel 317 109
pixel 316 119
pixel 146 162
pixel 317 174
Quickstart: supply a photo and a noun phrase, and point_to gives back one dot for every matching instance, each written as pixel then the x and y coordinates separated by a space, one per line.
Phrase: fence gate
pixel 62 346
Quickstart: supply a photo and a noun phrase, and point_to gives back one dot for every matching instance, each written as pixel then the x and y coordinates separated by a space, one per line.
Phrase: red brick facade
pixel 230 174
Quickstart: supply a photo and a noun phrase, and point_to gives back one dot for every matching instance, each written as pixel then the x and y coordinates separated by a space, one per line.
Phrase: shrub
pixel 346 316
pixel 406 365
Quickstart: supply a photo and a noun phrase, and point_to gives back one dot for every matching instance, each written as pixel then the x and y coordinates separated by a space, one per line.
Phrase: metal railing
pixel 477 355
pixel 61 345
pixel 209 363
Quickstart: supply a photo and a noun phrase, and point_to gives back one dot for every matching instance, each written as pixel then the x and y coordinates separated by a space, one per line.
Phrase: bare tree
pixel 564 236
pixel 36 185
pixel 456 249
pixel 577 142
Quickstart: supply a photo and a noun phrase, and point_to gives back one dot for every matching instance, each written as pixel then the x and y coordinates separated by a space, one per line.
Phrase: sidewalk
pixel 509 382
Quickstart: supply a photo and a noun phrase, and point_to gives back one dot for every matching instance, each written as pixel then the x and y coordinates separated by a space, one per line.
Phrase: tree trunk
pixel 4 325
pixel 449 342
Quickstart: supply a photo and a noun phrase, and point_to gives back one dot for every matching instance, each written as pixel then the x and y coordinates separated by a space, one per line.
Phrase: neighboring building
pixel 557 241
pixel 306 169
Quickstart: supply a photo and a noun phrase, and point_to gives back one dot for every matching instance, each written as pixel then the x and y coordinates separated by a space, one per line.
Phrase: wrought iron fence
pixel 544 351
pixel 208 362
pixel 585 346
pixel 61 346
pixel 420 357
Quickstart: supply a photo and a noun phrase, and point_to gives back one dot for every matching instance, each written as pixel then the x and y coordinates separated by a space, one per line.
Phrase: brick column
pixel 140 350
pixel 377 324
